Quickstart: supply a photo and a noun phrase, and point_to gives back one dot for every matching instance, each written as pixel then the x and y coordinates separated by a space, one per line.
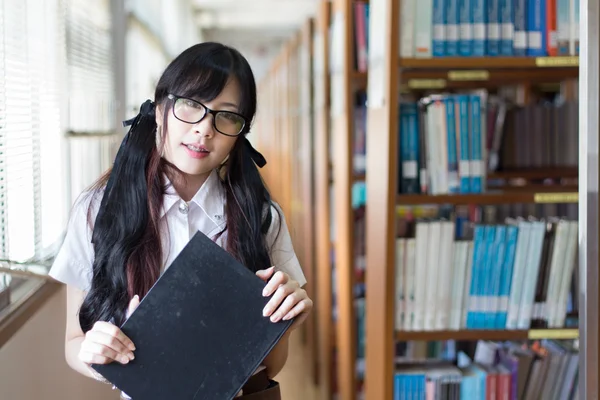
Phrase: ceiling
pixel 254 14
pixel 258 28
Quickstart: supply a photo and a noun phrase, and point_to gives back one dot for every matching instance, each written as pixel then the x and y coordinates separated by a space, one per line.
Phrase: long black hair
pixel 126 235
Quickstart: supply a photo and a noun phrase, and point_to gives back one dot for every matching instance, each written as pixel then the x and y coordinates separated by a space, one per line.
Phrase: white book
pixel 458 282
pixel 433 245
pixel 445 274
pixel 532 270
pixel 407 28
pixel 557 263
pixel 520 263
pixel 571 261
pixel 400 278
pixel 422 248
pixel 423 28
pixel 409 283
pixel 467 287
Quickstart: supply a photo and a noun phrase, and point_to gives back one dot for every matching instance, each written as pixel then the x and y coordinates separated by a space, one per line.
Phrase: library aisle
pixel 295 379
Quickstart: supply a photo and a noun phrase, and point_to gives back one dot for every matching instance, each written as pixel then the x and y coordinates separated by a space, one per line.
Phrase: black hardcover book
pixel 199 332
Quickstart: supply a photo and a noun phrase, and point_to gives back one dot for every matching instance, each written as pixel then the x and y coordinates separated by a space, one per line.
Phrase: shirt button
pixel 183 207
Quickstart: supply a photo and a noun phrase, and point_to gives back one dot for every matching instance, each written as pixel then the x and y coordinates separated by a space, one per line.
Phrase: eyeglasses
pixel 191 111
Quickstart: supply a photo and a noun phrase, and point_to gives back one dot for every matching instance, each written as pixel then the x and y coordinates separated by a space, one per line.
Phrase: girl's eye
pixel 192 104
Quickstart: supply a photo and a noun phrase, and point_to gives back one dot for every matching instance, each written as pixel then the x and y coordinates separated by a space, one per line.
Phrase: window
pixel 56 76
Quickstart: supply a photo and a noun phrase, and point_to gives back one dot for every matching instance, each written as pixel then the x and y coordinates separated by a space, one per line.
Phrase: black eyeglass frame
pixel 214 113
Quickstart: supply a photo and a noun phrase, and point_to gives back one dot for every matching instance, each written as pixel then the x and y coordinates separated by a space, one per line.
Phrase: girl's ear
pixel 158 115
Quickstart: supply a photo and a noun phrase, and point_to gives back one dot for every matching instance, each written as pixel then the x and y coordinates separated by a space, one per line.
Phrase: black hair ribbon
pixel 256 156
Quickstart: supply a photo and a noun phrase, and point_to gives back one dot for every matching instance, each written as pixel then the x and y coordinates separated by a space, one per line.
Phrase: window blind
pixel 26 104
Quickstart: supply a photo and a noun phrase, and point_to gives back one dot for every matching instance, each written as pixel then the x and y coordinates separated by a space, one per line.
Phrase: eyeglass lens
pixel 192 112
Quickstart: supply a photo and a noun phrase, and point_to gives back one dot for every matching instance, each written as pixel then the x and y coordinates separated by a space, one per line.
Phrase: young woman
pixel 185 165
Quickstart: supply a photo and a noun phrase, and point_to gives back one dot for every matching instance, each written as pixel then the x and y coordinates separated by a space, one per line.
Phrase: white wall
pixel 33 366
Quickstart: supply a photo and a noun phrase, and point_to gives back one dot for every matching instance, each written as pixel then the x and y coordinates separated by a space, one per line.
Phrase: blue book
pixel 452 27
pixel 479 27
pixel 506 277
pixel 465 36
pixel 474 304
pixel 464 143
pixel 409 148
pixel 495 276
pixel 476 166
pixel 520 42
pixel 453 182
pixel 439 28
pixel 485 292
pixel 536 28
pixel 507 27
pixel 493 28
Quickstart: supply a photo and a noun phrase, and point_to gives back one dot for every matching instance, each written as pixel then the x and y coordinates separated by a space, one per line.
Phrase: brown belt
pixel 260 387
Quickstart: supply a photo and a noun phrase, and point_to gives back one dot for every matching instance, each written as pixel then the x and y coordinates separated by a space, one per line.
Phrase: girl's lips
pixel 196 154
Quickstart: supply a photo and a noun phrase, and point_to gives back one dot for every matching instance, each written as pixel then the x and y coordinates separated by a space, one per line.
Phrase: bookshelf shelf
pixel 518 63
pixel 509 197
pixel 535 173
pixel 482 78
pixel 499 335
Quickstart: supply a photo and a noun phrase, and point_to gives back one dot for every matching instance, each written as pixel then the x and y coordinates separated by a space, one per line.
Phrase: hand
pixel 105 342
pixel 289 299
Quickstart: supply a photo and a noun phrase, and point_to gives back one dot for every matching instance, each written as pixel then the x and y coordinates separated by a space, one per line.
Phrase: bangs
pixel 202 71
pixel 205 78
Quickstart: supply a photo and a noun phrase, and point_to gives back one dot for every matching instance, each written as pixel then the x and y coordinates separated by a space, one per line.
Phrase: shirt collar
pixel 210 198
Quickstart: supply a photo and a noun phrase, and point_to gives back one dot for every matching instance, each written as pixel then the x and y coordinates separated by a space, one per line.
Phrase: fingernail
pixel 132 347
pixel 275 317
pixel 124 360
pixel 287 316
pixel 265 292
pixel 267 311
pixel 131 356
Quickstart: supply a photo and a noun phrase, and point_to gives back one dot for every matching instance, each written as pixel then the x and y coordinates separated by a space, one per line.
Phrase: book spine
pixel 439 28
pixel 520 42
pixel 507 21
pixel 479 27
pixel 465 47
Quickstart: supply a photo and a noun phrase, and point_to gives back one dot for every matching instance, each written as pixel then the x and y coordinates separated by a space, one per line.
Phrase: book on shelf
pixel 509 370
pixel 453 275
pixel 449 143
pixel 488 28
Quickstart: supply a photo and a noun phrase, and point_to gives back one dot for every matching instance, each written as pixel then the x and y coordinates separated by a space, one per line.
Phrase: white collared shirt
pixel 179 221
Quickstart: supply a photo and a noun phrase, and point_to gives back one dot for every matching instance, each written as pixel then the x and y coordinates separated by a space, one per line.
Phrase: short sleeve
pixel 73 263
pixel 280 246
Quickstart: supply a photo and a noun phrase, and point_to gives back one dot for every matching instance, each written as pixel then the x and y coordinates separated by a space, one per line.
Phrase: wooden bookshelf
pixel 344 81
pixel 322 181
pixel 506 197
pixel 388 76
pixel 535 173
pixel 518 63
pixel 284 133
pixel 497 335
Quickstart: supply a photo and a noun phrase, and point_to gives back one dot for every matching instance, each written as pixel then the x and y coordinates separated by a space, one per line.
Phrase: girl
pixel 185 165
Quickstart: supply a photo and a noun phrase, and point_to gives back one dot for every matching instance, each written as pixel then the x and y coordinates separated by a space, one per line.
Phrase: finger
pixel 91 358
pixel 282 292
pixel 112 330
pixel 301 307
pixel 290 302
pixel 109 341
pixel 277 280
pixel 133 304
pixel 97 351
pixel 265 274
